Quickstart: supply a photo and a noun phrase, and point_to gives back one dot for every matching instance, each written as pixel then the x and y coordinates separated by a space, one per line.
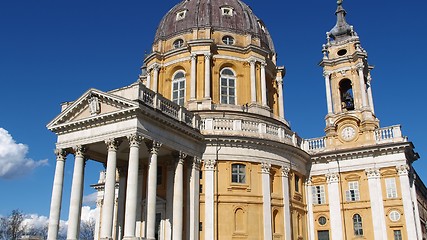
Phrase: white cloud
pixel 13 160
pixel 90 199
pixel 89 213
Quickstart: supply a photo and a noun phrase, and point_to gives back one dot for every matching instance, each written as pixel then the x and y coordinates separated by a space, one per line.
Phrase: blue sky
pixel 53 51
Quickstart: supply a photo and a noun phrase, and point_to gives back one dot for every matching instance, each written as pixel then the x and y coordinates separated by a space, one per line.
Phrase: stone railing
pixel 239 126
pixel 389 134
pixel 314 144
pixel 167 107
pixel 382 135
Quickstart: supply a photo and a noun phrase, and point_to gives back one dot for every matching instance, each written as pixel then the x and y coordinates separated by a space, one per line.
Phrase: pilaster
pixel 377 205
pixel 266 195
pixel 335 213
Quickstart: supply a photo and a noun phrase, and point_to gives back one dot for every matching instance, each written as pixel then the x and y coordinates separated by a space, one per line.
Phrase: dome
pixel 220 15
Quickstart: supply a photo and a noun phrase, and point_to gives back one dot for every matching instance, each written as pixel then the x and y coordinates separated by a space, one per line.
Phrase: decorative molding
pixel 135 140
pixel 402 170
pixel 153 146
pixel 372 173
pixel 210 164
pixel 79 151
pixel 332 178
pixel 61 154
pixel 196 164
pixel 285 171
pixel 265 167
pixel 113 144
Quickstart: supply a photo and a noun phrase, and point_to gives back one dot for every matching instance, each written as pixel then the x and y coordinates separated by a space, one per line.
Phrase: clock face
pixel 348 133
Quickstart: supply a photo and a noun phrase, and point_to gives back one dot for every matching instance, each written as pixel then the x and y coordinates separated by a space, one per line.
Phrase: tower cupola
pixel 342 29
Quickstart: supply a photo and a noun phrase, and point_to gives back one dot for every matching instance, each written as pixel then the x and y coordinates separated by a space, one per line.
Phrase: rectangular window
pixel 296 183
pixel 352 194
pixel 238 173
pixel 390 185
pixel 397 235
pixel 228 90
pixel 323 235
pixel 318 193
pixel 159 175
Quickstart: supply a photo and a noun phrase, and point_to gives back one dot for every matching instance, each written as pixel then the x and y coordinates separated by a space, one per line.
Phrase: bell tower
pixel 350 120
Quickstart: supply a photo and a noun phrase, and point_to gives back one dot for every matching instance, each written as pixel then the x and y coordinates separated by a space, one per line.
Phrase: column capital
pixel 360 66
pixel 61 154
pixel 208 56
pixel 180 156
pixel 265 167
pixel 402 170
pixel 285 171
pixel 263 64
pixel 153 146
pixel 252 61
pixel 332 177
pixel 279 81
pixel 135 140
pixel 326 74
pixel 210 164
pixel 79 151
pixel 156 67
pixel 308 181
pixel 193 56
pixel 197 163
pixel 113 144
pixel 373 173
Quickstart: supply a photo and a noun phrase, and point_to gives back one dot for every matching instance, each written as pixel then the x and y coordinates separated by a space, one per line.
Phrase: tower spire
pixel 342 29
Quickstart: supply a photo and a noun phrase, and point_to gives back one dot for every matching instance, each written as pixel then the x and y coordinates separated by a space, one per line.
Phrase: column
pixel 263 85
pixel 310 209
pixel 156 69
pixel 286 203
pixel 132 186
pixel 362 85
pixel 169 200
pixel 328 91
pixel 370 98
pixel 209 199
pixel 55 204
pixel 109 192
pixel 152 189
pixel 253 80
pixel 407 201
pixel 193 77
pixel 139 217
pixel 148 84
pixel 178 198
pixel 194 199
pixel 377 205
pixel 334 206
pixel 415 200
pixel 266 197
pixel 121 203
pixel 279 81
pixel 76 194
pixel 207 75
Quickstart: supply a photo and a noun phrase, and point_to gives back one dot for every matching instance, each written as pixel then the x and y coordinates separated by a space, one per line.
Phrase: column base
pixel 132 238
pixel 105 238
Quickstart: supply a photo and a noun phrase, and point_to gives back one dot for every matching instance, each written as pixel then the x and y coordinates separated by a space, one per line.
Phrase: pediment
pixel 91 105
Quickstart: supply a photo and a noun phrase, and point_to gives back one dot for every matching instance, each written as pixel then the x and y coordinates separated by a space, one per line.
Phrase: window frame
pixel 391 187
pixel 178 81
pixel 353 193
pixel 238 174
pixel 224 10
pixel 178 43
pixel 228 86
pixel 228 40
pixel 398 236
pixel 180 15
pixel 357 225
pixel 318 194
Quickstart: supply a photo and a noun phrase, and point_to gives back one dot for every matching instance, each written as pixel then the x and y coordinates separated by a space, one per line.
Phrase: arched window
pixel 357 225
pixel 228 86
pixel 178 43
pixel 178 88
pixel 238 173
pixel 346 90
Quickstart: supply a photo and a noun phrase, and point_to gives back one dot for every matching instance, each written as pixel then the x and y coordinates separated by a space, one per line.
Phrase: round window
pixel 322 220
pixel 342 52
pixel 178 43
pixel 229 40
pixel 394 216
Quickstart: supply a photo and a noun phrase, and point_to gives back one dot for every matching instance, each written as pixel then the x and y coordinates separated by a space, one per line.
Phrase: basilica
pixel 199 147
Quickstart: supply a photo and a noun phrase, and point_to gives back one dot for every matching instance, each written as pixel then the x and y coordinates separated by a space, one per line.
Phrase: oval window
pixel 228 40
pixel 322 220
pixel 342 52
